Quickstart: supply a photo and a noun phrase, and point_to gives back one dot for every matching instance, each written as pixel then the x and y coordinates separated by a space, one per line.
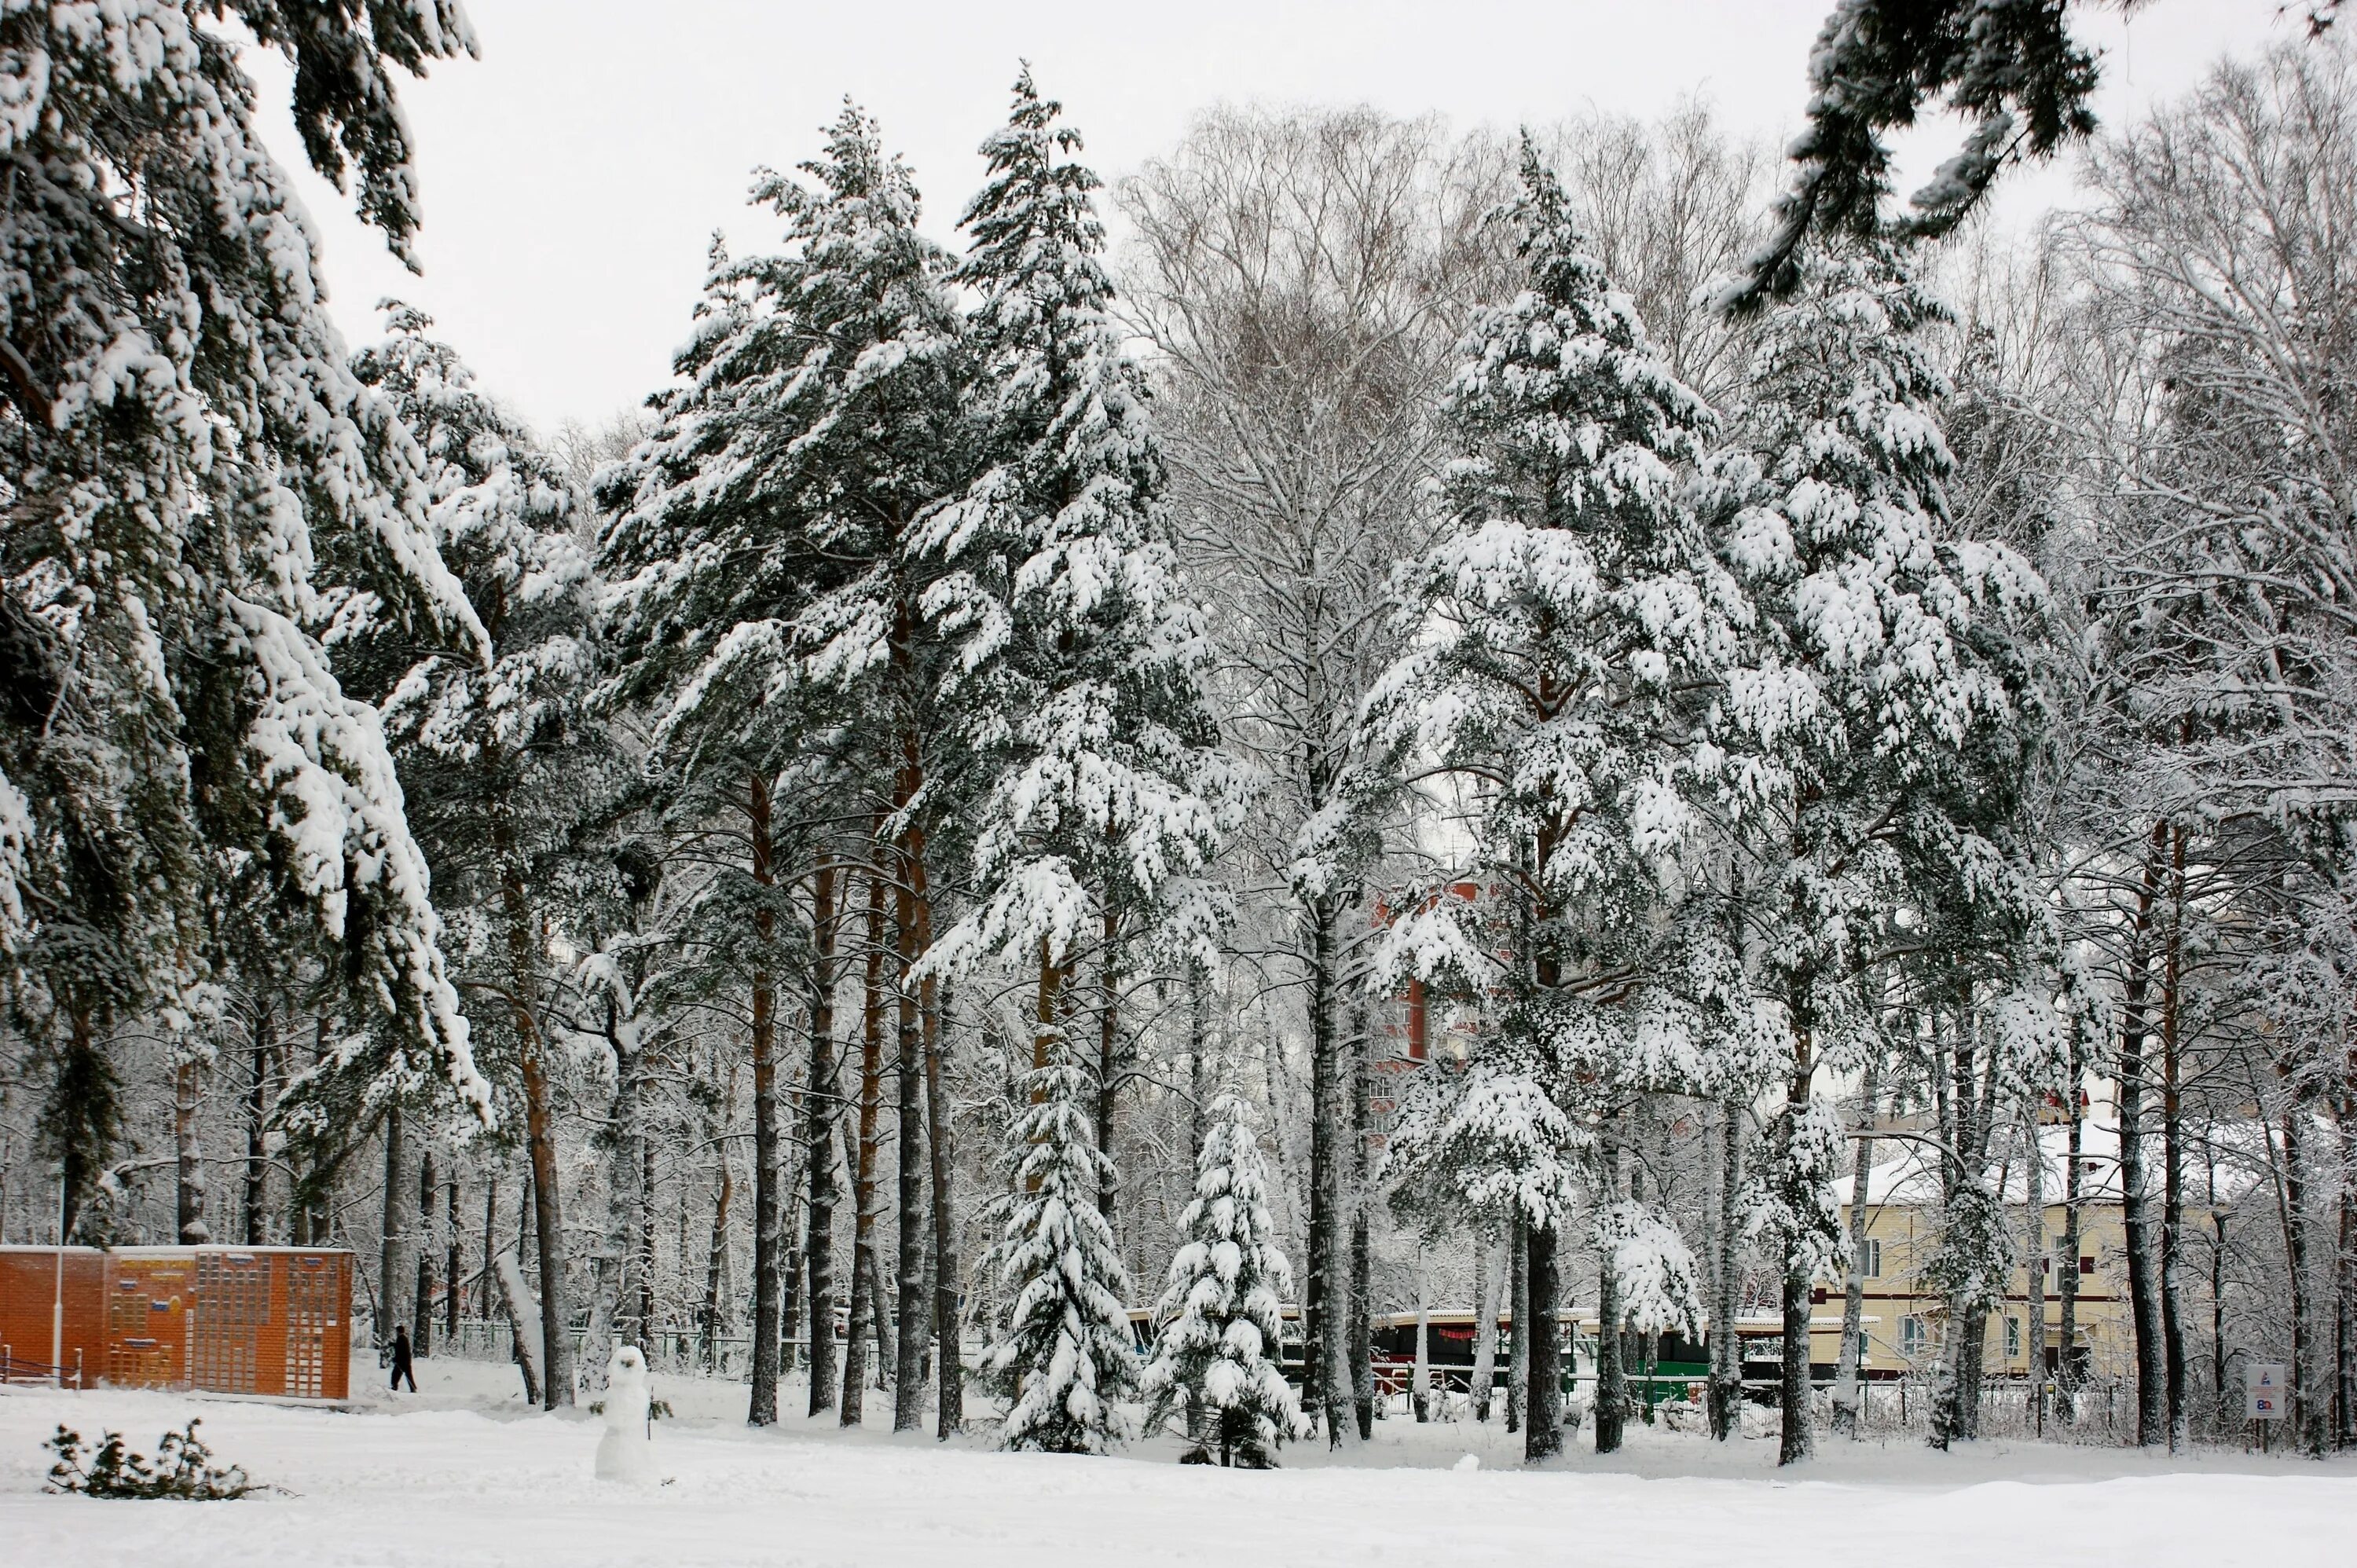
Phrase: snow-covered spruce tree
pixel 198 493
pixel 1215 1356
pixel 504 765
pixel 1060 1356
pixel 1885 704
pixel 1567 618
pixel 1079 660
pixel 767 594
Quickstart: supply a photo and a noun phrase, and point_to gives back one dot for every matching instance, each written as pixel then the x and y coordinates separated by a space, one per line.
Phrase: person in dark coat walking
pixel 401 1368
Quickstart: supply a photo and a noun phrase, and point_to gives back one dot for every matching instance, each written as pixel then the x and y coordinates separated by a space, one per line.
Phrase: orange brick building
pixel 274 1321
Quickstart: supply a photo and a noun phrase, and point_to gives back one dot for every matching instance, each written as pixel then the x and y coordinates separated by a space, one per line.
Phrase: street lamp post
pixel 58 1302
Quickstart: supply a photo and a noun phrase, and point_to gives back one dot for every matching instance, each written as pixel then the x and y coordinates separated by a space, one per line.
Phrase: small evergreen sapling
pixel 1216 1353
pixel 183 1468
pixel 1063 1358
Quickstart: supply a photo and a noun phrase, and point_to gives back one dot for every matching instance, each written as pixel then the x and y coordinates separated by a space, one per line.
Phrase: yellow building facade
pixel 1905 1318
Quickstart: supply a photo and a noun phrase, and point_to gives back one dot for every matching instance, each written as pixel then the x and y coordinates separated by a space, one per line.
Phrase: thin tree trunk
pixel 863 1185
pixel 1490 1267
pixel 506 1268
pixel 2308 1400
pixel 2136 1208
pixel 257 1127
pixel 769 1218
pixel 421 1333
pixel 2227 1417
pixel 2034 1283
pixel 716 1258
pixel 880 1312
pixel 452 1263
pixel 187 1097
pixel 1420 1389
pixel 1328 1302
pixel 1108 1056
pixel 1611 1385
pixel 491 1249
pixel 1362 1291
pixel 1795 1439
pixel 948 1327
pixel 2344 1337
pixel 393 1257
pixel 908 1285
pixel 646 1306
pixel 818 1139
pixel 2066 1366
pixel 2172 1153
pixel 1845 1383
pixel 1726 1281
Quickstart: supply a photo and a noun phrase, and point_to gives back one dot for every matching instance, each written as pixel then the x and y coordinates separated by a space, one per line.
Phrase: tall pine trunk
pixel 908 1283
pixel 1543 1394
pixel 769 1219
pixel 539 1111
pixel 818 1140
pixel 863 1185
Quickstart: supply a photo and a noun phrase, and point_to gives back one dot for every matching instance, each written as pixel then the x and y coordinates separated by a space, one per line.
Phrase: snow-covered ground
pixel 461 1473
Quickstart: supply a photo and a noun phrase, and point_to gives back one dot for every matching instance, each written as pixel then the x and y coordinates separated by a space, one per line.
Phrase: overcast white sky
pixel 573 176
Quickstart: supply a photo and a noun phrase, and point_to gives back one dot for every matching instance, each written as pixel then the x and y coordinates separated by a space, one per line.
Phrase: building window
pixel 1869 1258
pixel 2012 1337
pixel 1914 1338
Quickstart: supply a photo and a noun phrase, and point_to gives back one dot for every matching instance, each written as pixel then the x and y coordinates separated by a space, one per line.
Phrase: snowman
pixel 625 1454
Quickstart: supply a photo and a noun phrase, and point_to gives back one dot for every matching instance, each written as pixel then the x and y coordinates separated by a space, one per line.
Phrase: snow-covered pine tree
pixel 199 496
pixel 1060 1356
pixel 767 594
pixel 1079 658
pixel 2015 69
pixel 1215 1356
pixel 1567 618
pixel 503 765
pixel 1884 705
pixel 1082 657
